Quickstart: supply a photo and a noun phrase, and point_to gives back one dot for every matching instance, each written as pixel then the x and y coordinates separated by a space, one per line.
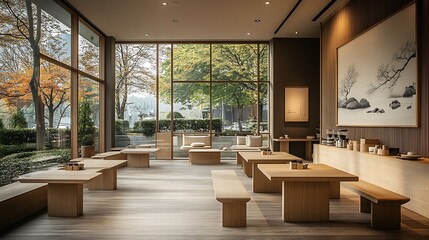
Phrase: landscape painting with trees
pixel 377 75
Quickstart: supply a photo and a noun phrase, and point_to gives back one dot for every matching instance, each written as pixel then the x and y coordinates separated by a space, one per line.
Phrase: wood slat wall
pixel 354 18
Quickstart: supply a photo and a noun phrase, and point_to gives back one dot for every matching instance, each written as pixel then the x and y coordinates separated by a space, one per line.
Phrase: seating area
pixel 195 142
pixel 248 143
pixel 182 204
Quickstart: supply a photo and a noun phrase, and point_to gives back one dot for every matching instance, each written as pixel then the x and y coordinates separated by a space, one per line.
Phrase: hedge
pixel 17 136
pixel 18 164
pixel 147 127
pixel 121 127
pixel 10 149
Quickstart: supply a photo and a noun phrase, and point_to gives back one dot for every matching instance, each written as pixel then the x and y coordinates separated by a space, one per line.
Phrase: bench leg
pixel 365 205
pixel 234 214
pixel 247 168
pixel 239 159
pixel 385 216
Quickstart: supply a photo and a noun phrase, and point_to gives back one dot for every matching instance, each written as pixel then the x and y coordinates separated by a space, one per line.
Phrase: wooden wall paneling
pixel 351 20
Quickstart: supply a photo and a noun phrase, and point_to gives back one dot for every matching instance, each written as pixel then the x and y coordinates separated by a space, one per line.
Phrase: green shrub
pixel 86 128
pixel 1 123
pixel 176 115
pixel 17 136
pixel 148 127
pixel 17 120
pixel 10 149
pixel 121 126
pixel 17 164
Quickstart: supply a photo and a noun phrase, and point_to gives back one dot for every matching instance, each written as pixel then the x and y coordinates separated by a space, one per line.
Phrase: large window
pixel 37 74
pixel 210 89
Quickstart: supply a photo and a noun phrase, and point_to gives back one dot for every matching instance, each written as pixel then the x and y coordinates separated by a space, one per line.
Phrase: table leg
pixel 247 168
pixel 261 184
pixel 65 200
pixel 106 181
pixel 138 160
pixel 334 189
pixel 308 150
pixel 305 201
pixel 284 146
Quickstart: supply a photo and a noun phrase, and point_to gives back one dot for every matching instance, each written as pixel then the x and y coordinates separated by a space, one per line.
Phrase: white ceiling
pixel 201 20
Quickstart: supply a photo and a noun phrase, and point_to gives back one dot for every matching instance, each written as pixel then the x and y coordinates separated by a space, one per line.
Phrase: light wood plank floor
pixel 174 200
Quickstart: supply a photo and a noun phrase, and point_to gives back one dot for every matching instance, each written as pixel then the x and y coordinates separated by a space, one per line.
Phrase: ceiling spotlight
pixel 267 3
pixel 257 20
pixel 296 32
pixel 146 34
pixel 165 3
pixel 248 34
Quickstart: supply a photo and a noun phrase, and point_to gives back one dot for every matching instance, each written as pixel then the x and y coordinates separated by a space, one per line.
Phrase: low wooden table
pixel 138 157
pixel 284 145
pixel 305 192
pixel 204 156
pixel 65 189
pixel 108 168
pixel 260 183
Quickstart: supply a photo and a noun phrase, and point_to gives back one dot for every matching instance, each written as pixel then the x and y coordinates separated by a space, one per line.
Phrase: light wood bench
pixel 20 200
pixel 114 155
pixel 204 156
pixel 231 193
pixel 384 205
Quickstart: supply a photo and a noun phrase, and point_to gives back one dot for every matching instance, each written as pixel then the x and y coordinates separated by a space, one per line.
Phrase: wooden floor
pixel 175 200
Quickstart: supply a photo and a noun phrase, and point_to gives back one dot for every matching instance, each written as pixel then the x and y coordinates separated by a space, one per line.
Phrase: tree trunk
pixel 240 117
pixel 51 112
pixel 35 79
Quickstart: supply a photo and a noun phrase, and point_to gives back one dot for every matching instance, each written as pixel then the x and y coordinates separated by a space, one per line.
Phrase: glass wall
pixel 219 90
pixel 36 79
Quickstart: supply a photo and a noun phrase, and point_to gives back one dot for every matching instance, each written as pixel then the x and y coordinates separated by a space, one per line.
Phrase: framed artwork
pixel 377 82
pixel 296 104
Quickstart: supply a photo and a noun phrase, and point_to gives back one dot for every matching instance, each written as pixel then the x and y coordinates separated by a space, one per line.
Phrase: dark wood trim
pixel 287 17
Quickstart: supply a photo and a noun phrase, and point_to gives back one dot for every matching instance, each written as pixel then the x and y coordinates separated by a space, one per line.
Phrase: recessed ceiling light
pixel 267 3
pixel 175 20
pixel 297 32
pixel 248 34
pixel 165 3
pixel 146 34
pixel 257 20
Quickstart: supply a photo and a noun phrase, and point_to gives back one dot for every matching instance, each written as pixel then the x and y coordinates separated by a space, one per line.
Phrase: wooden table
pixel 65 189
pixel 138 157
pixel 305 192
pixel 284 145
pixel 204 156
pixel 108 168
pixel 260 183
pixel 248 158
